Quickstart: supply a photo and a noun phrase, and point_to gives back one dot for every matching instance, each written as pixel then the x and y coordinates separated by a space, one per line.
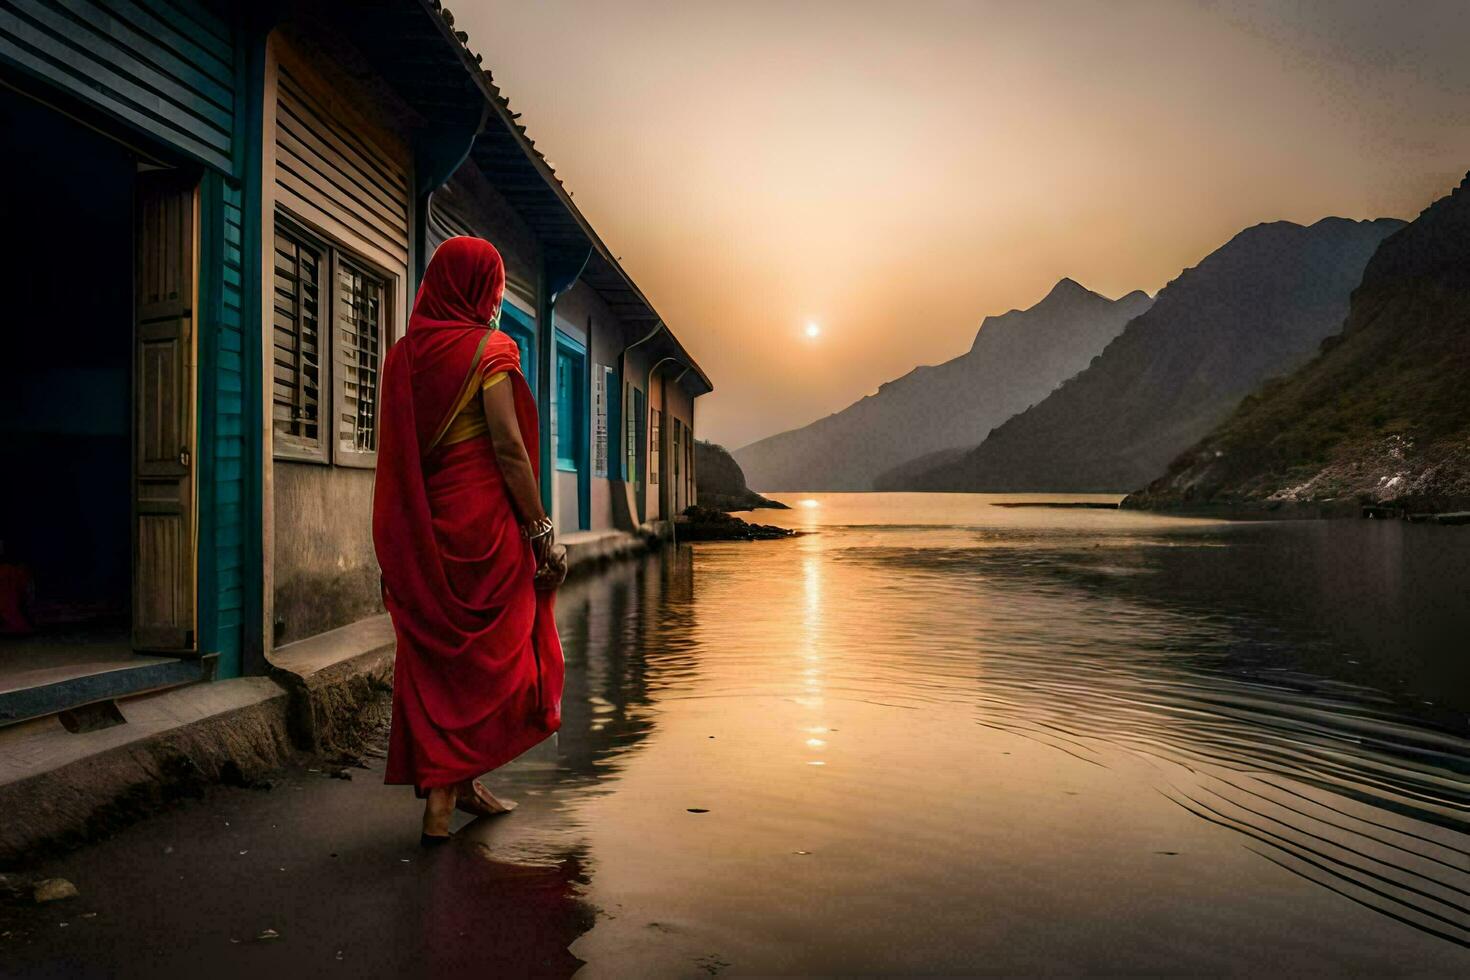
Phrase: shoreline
pixel 1303 510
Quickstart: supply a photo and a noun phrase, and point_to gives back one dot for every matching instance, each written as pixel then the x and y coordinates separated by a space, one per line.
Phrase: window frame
pixel 675 448
pixel 286 445
pixel 357 459
pixel 520 327
pixel 655 445
pixel 633 422
pixel 607 416
pixel 577 412
pixel 327 450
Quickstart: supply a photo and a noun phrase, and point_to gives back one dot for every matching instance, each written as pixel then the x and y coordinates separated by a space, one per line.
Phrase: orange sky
pixel 898 171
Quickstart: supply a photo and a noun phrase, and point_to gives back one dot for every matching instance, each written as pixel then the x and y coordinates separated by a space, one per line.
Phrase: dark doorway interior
pixel 66 196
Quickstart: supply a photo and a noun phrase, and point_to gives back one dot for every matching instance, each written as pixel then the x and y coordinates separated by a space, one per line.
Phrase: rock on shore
pixel 704 524
pixel 721 482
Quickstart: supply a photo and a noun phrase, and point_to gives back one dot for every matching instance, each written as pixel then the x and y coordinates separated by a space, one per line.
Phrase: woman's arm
pixel 515 463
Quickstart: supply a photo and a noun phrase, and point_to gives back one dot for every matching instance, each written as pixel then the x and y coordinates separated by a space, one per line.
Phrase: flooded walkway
pixel 933 736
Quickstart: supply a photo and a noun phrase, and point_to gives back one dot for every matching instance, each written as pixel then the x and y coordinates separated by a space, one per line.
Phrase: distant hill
pixel 1256 307
pixel 1382 415
pixel 905 474
pixel 719 484
pixel 1015 360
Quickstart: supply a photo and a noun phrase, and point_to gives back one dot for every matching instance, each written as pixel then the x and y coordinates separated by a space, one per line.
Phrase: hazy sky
pixel 895 172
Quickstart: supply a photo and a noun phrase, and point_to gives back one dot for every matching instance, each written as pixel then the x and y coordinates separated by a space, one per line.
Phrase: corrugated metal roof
pixel 408 40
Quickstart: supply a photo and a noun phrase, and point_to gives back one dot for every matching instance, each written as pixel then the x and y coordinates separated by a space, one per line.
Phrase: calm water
pixel 933 736
pixel 939 734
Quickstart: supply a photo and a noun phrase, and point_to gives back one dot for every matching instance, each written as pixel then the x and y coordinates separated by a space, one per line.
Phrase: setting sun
pixel 813 330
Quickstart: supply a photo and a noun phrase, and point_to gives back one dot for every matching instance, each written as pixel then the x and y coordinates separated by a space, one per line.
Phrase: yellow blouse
pixel 470 421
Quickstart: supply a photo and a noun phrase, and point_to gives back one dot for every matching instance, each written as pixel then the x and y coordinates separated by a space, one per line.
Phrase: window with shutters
pixel 675 444
pixel 297 375
pixel 330 329
pixel 599 420
pixel 655 417
pixel 632 436
pixel 358 301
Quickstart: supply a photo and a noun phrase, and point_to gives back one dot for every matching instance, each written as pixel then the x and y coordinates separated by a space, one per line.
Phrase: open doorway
pixel 66 383
pixel 75 355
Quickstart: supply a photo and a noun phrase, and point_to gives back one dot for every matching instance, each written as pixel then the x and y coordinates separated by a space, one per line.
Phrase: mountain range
pixel 1015 360
pixel 1381 415
pixel 1257 307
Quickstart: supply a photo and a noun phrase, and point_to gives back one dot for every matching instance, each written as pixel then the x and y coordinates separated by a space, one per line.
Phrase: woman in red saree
pixel 460 535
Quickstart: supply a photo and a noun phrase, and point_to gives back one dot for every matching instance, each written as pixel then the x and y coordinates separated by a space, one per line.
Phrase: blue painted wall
pixel 223 494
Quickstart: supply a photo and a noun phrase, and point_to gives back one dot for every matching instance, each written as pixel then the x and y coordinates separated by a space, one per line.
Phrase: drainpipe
pixel 559 272
pixel 437 156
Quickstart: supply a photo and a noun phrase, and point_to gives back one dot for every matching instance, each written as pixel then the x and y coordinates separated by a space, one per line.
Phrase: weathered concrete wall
pixel 239 735
pixel 566 501
pixel 326 574
pixel 332 677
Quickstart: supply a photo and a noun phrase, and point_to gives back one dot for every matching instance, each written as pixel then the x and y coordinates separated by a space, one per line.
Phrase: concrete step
pixel 35 684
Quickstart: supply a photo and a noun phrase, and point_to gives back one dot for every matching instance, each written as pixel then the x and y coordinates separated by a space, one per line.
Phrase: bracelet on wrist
pixel 537 529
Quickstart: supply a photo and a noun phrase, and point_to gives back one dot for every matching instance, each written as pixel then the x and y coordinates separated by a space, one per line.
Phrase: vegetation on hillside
pixel 1381 415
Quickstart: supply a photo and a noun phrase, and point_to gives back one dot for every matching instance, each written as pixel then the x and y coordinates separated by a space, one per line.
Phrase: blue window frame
pixel 521 328
pixel 571 403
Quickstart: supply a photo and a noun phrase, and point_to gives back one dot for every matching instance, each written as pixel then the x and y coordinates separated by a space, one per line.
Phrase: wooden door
pixel 164 520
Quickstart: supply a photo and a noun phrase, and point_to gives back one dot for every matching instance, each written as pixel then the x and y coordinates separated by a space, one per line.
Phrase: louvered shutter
pixel 297 338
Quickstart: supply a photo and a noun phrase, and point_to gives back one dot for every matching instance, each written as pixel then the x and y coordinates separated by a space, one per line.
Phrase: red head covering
pixel 462 286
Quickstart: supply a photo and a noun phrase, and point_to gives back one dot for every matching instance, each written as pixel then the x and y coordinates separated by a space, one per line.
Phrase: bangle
pixel 537 529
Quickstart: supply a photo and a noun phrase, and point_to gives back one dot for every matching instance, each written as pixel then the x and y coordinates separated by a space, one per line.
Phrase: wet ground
pixel 934 736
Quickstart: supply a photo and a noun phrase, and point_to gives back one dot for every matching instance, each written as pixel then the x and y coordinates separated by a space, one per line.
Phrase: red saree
pixel 479 671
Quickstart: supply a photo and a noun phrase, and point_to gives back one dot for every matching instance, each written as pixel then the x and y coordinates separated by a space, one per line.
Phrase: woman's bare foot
pixel 438 809
pixel 475 799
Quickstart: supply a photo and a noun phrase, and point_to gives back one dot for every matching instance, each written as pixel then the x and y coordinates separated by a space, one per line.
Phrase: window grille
pixel 359 302
pixel 633 430
pixel 330 311
pixel 599 422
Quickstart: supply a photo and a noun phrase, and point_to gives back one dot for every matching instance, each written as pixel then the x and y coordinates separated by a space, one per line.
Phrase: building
pixel 226 209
